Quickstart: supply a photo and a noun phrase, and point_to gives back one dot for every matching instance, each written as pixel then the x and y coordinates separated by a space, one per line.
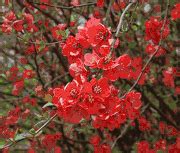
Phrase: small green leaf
pixel 134 27
pixel 32 131
pixel 19 137
pixel 42 46
pixel 2 143
pixel 67 33
pixel 48 105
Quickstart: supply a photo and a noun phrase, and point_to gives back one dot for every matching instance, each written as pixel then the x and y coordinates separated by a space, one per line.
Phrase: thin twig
pixel 120 26
pixel 45 124
pixel 151 57
pixel 55 79
pixel 37 43
pixel 109 9
pixel 37 68
pixel 64 7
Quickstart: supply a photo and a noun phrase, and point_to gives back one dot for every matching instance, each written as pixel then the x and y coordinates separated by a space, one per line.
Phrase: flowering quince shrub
pixel 80 76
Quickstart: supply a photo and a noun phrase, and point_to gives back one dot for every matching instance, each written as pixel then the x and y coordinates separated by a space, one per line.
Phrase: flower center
pixel 97 89
pixel 74 93
pixel 99 36
pixel 90 98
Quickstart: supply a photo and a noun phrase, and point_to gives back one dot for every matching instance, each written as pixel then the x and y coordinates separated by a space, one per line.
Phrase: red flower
pixel 30 50
pixel 18 25
pixel 161 145
pixel 135 99
pixel 31 28
pixel 105 63
pixel 78 69
pixel 124 62
pixel 104 148
pixel 112 74
pixel 153 29
pixel 57 150
pixel 72 49
pixel 143 147
pixel 74 2
pixel 169 77
pixel 72 91
pixel 74 114
pixel 100 3
pixel 82 38
pixel 6 27
pixel 95 140
pixel 29 100
pixel 49 140
pixel 175 12
pixel 99 88
pixel 144 124
pixel 28 18
pixel 103 50
pixel 28 74
pixel 91 60
pixel 18 87
pixel 133 104
pixel 10 16
pixel 44 7
pixel 96 32
pixel 150 49
pixel 58 31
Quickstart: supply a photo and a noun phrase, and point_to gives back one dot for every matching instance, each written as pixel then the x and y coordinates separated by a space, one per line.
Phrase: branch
pixel 120 25
pixel 63 7
pixel 37 68
pixel 149 60
pixel 36 43
pixel 45 13
pixel 55 79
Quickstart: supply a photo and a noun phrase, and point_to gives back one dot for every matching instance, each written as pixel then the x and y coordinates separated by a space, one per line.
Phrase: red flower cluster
pixel 58 31
pixel 175 12
pixel 153 29
pixel 10 22
pixel 160 145
pixel 98 99
pixel 87 97
pixel 100 3
pixel 98 146
pixel 49 141
pixel 17 78
pixel 94 35
pixel 144 124
pixel 150 49
pixel 6 121
pixel 169 75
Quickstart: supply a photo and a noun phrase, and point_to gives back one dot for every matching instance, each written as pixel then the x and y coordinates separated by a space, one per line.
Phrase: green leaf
pixel 19 137
pixel 48 105
pixel 32 131
pixel 42 46
pixel 2 143
pixel 26 36
pixel 67 33
pixel 134 27
pixel 74 17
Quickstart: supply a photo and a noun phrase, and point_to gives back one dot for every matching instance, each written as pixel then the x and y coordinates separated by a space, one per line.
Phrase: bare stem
pixel 120 25
pixel 64 7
